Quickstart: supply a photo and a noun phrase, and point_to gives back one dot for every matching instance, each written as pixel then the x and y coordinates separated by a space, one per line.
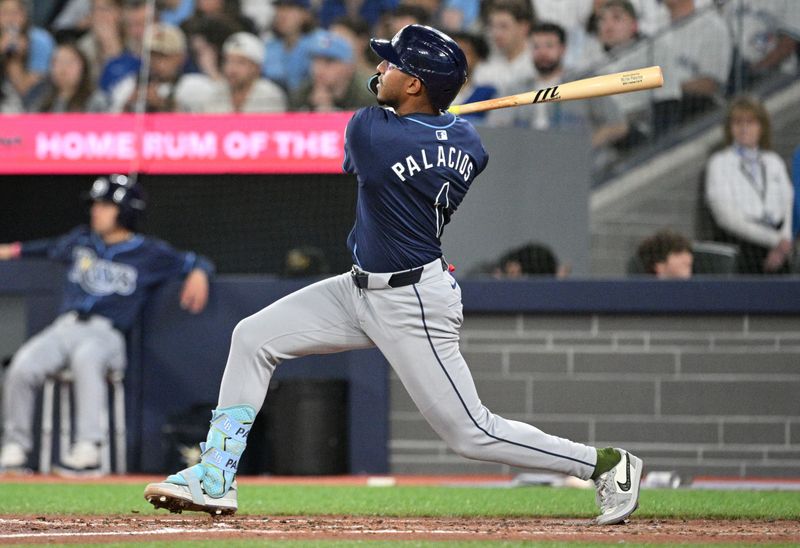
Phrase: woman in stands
pixel 749 192
pixel 69 87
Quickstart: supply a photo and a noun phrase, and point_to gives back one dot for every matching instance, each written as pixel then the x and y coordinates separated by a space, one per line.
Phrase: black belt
pixel 400 279
pixel 361 279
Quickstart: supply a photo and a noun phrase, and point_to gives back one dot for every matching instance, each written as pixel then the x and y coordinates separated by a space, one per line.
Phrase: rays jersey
pixel 413 171
pixel 113 280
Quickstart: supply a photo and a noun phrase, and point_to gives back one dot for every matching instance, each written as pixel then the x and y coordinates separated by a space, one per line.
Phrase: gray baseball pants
pixel 416 327
pixel 89 348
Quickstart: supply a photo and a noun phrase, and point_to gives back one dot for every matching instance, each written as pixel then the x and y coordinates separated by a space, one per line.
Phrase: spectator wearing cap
pixel 333 84
pixel 287 54
pixel 167 89
pixel 243 89
pixel 25 49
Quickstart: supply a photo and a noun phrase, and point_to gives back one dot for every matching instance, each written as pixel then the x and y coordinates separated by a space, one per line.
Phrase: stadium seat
pixel 714 258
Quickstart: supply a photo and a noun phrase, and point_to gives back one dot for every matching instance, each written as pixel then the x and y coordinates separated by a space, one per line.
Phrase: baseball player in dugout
pixel 112 270
pixel 414 163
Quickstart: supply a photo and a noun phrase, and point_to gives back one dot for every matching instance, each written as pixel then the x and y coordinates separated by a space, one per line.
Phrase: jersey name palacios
pixel 413 171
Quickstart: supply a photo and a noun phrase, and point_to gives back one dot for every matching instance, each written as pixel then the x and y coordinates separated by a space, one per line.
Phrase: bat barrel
pixel 598 86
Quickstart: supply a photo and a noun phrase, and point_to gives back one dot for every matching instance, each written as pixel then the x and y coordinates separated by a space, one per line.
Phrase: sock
pixel 607 458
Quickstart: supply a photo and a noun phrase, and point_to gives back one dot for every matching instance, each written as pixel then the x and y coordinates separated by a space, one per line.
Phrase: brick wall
pixel 701 395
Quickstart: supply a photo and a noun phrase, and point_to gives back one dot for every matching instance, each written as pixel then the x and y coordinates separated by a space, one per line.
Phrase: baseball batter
pixel 414 164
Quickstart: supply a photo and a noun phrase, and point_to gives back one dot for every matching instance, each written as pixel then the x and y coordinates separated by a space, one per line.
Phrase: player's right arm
pixel 59 248
pixel 10 251
pixel 360 136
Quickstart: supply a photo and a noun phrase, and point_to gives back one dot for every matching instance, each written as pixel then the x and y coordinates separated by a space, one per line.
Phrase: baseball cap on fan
pixel 330 46
pixel 247 45
pixel 168 40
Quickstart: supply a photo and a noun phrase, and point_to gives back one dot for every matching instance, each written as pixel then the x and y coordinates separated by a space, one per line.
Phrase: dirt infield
pixel 94 529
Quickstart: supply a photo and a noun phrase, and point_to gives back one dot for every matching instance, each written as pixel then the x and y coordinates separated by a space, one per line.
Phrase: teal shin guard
pixel 227 438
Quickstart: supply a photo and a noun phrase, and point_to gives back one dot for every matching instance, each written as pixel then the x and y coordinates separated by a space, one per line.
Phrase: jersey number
pixel 441 208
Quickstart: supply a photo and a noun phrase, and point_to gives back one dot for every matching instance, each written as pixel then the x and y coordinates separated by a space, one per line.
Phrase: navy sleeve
pixel 361 138
pixel 57 249
pixel 168 262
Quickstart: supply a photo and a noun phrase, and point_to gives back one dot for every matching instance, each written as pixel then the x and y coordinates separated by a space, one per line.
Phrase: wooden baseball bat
pixel 598 86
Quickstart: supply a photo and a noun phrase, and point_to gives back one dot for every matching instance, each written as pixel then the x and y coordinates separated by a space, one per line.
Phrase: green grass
pixel 51 499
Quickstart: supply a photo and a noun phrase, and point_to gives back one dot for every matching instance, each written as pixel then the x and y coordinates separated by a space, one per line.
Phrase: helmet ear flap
pixel 372 83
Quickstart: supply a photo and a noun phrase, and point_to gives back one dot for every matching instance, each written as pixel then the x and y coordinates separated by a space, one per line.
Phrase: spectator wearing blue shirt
pixel 175 12
pixel 26 50
pixel 288 60
pixel 112 269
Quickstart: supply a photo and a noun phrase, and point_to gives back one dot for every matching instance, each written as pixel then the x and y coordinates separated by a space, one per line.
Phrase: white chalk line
pixel 243 532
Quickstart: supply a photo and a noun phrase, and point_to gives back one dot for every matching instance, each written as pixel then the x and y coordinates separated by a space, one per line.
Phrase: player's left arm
pixel 196 269
pixel 194 295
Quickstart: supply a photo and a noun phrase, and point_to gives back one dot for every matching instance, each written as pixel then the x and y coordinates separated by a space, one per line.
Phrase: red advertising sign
pixel 172 143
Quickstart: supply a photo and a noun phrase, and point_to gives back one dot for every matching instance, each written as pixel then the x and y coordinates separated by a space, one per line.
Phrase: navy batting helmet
pixel 125 193
pixel 430 55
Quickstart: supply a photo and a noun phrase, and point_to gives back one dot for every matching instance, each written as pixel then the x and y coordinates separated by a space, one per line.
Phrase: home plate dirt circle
pixel 95 529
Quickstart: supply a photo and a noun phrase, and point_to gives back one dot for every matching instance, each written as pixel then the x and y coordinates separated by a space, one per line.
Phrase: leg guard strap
pixel 231 428
pixel 193 483
pixel 218 458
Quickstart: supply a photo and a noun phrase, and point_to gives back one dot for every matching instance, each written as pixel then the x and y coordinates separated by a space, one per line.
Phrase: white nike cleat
pixel 618 490
pixel 177 498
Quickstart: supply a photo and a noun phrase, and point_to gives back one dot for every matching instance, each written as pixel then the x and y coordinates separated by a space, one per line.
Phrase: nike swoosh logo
pixel 627 485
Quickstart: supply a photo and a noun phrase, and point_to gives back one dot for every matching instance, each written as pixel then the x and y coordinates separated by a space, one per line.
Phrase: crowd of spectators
pixel 313 55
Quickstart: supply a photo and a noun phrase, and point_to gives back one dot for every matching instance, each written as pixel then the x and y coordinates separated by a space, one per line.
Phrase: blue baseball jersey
pixel 113 280
pixel 413 171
